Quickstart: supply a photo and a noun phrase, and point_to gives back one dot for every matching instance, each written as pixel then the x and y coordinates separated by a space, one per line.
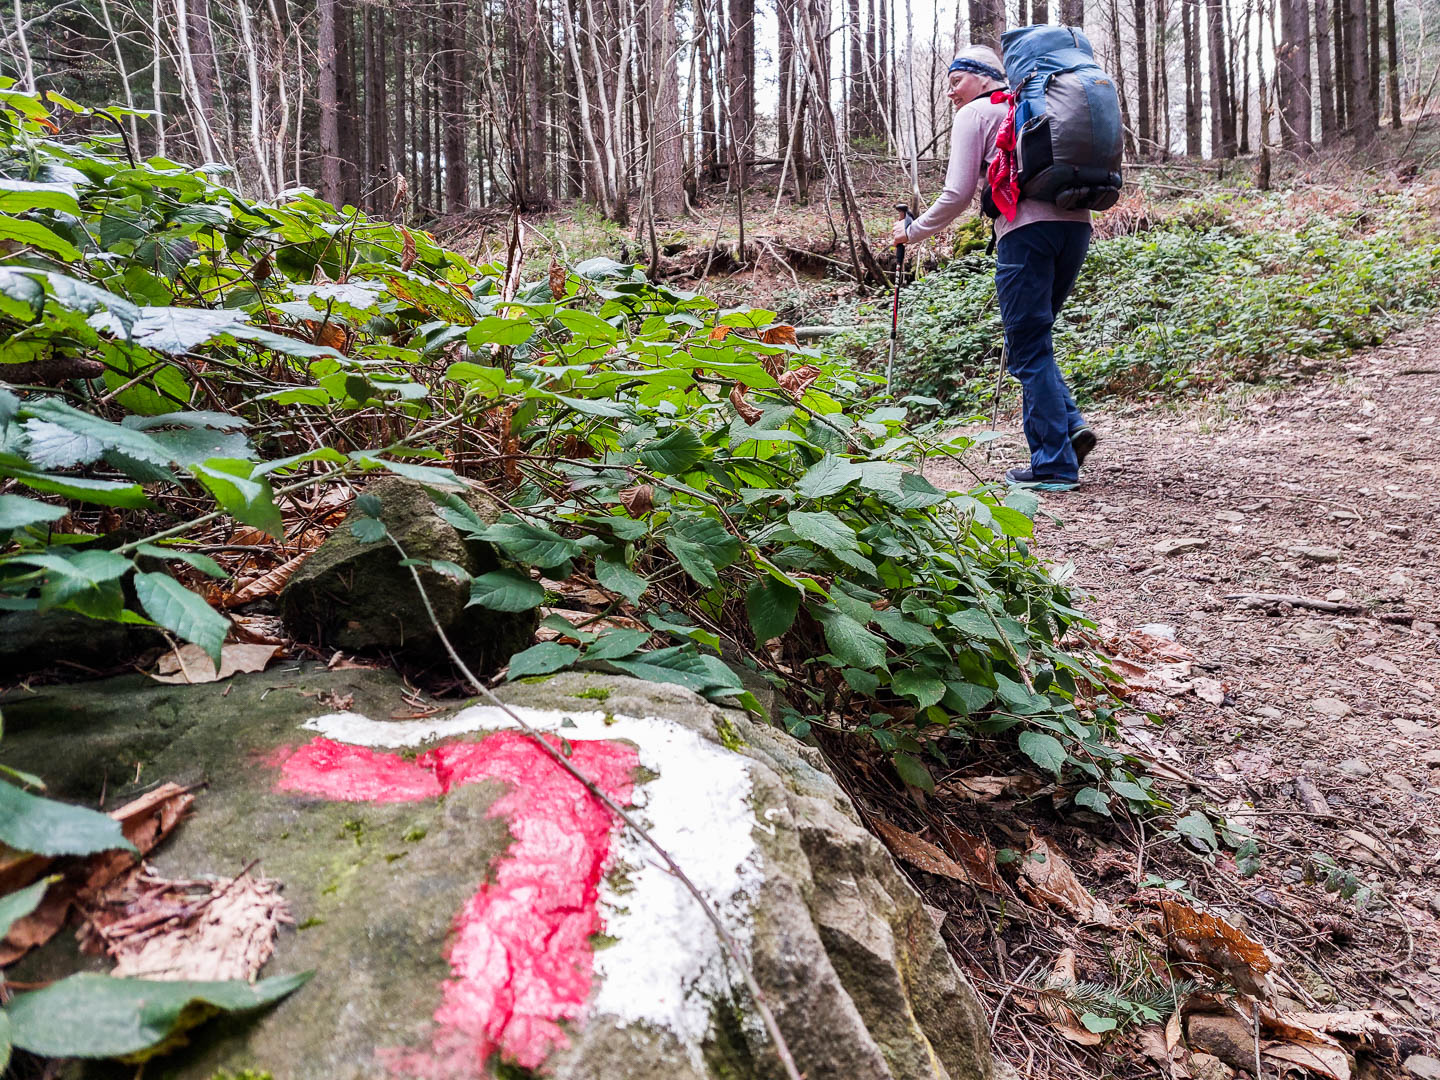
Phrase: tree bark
pixel 668 172
pixel 1190 39
pixel 1072 13
pixel 1142 72
pixel 740 88
pixel 1292 64
pixel 327 54
pixel 1363 119
pixel 856 58
pixel 1222 122
pixel 1040 12
pixel 453 106
pixel 987 22
pixel 1325 66
pixel 1392 52
pixel 1372 35
pixel 1344 92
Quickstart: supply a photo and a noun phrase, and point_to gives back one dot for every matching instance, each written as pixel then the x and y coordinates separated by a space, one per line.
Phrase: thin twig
pixel 782 1048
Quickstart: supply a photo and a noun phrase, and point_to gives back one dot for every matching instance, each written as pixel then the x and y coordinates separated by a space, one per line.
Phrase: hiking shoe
pixel 1026 478
pixel 1082 441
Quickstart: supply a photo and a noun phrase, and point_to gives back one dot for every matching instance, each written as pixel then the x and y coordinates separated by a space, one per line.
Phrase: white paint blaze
pixel 667 965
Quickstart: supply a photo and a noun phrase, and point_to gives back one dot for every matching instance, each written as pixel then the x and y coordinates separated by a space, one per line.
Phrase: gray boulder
pixel 408 901
pixel 357 597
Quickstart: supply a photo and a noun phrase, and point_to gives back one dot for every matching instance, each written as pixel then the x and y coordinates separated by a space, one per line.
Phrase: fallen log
pixel 1255 600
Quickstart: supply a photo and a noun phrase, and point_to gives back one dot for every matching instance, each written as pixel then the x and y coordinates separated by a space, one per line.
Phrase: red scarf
pixel 1003 173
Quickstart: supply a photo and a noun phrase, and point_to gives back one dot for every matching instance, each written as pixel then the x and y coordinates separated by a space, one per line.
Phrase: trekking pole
pixel 995 405
pixel 905 216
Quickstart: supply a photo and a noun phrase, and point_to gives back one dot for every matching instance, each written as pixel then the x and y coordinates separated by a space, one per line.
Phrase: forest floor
pixel 1315 726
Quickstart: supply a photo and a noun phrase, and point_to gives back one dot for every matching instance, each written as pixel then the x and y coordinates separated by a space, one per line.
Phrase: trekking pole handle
pixel 903 209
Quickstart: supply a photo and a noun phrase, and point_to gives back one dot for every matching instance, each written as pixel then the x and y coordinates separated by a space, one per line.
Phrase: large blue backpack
pixel 1067 118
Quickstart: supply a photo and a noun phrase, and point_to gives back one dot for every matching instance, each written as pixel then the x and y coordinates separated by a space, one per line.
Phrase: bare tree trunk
pixel 786 61
pixel 1262 172
pixel 1190 38
pixel 400 133
pixel 1392 53
pixel 1040 12
pixel 1329 125
pixel 709 135
pixel 156 44
pixel 854 95
pixel 124 73
pixel 1222 121
pixel 257 96
pixel 327 54
pixel 201 44
pixel 987 22
pixel 667 176
pixel 1372 35
pixel 1160 87
pixel 1292 64
pixel 453 106
pixel 1363 119
pixel 1344 92
pixel 1072 13
pixel 1142 72
pixel 740 89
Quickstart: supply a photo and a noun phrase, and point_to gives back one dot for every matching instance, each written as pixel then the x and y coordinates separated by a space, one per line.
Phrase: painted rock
pixel 472 911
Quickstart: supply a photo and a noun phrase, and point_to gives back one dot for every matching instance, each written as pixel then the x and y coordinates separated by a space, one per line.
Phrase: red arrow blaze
pixel 521 959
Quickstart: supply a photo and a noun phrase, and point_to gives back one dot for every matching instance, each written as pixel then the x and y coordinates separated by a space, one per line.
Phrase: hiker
pixel 1038 256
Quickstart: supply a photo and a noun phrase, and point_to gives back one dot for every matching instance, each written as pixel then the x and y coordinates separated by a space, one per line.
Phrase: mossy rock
pixel 357 597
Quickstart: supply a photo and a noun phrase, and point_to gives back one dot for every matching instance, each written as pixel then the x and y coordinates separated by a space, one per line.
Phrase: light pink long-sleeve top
pixel 972 146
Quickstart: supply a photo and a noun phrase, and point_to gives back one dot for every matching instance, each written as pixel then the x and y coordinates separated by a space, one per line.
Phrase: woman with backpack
pixel 1040 246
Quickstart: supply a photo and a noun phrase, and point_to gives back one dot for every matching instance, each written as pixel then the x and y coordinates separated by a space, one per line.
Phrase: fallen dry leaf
pixel 720 333
pixel 1327 1061
pixel 977 788
pixel 920 852
pixel 557 280
pixel 267 584
pixel 165 934
pixel 1211 690
pixel 144 821
pixel 407 249
pixel 1047 880
pixel 1055 1008
pixel 977 857
pixel 779 334
pixel 1153 1041
pixel 259 629
pixel 1204 938
pixel 190 664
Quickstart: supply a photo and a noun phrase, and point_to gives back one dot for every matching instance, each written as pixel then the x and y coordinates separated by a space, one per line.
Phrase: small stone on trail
pixel 1160 630
pixel 1269 711
pixel 1295 724
pixel 1378 663
pixel 1400 783
pixel 1314 554
pixel 1180 545
pixel 1423 1067
pixel 1355 767
pixel 1329 706
pixel 1402 531
pixel 1401 579
pixel 1100 543
pixel 1431 757
pixel 1336 595
pixel 1231 515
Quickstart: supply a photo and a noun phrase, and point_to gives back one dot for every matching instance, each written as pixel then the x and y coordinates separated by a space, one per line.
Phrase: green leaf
pixel 822 529
pixel 1045 750
pixel 32 233
pixel 915 493
pixel 429 475
pixel 183 612
pixel 128 1016
pixel 829 476
pixel 913 771
pixel 1126 790
pixel 17 905
pixel 6 1041
pixel 1098 1024
pixel 20 196
pixel 18 512
pixel 848 640
pixel 616 644
pixel 203 563
pixel 920 684
pixel 505 590
pixel 242 492
pixel 533 545
pixel 21 296
pixel 46 827
pixel 1093 799
pixel 618 578
pixel 771 606
pixel 62 435
pixel 1197 826
pixel 173 330
pixel 542 659
pixel 101 492
pixel 367 530
pixel 702 545
pixel 677 452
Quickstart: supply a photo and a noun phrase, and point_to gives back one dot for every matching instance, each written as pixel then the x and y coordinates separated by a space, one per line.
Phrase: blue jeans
pixel 1035 269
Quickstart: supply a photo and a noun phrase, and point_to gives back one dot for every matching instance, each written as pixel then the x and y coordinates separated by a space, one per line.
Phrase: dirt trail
pixel 1329 729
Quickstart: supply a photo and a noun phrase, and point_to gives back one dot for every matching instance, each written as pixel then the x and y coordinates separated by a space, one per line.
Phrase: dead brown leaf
pixel 190 664
pixel 160 930
pixel 557 280
pixel 720 333
pixel 1204 938
pixel 1047 880
pixel 332 335
pixel 1055 1008
pixel 920 852
pixel 638 500
pixel 796 382
pixel 407 249
pixel 748 412
pixel 779 334
pixel 267 584
pixel 977 788
pixel 977 857
pixel 144 821
pixel 1327 1061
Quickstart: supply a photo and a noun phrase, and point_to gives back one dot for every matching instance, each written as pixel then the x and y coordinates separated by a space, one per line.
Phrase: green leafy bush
pixel 1227 290
pixel 195 359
